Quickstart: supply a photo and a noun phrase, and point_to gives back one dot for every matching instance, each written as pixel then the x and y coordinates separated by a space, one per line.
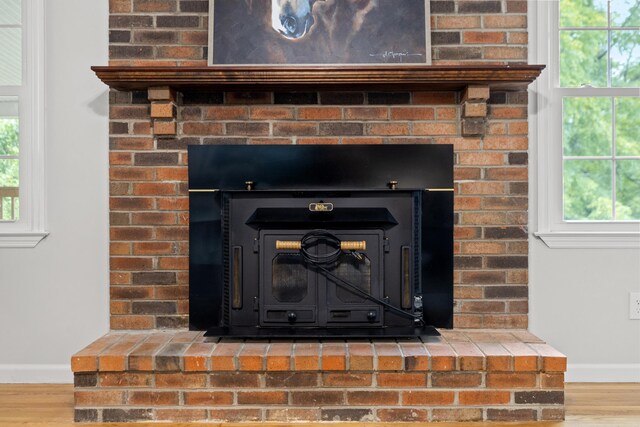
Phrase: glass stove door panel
pixel 348 306
pixel 288 289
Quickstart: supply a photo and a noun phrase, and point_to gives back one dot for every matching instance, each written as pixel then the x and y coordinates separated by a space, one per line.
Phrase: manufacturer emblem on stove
pixel 321 207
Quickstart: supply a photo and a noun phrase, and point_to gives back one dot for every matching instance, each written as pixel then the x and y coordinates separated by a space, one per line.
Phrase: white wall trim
pixel 586 240
pixel 603 372
pixel 36 374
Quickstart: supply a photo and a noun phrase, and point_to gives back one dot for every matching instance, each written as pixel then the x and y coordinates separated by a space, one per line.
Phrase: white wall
pixel 579 301
pixel 54 298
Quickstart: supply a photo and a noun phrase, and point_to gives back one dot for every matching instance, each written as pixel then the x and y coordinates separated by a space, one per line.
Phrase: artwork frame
pixel 246 33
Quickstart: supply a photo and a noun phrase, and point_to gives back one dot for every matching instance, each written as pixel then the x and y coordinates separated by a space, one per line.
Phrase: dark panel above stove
pixel 312 167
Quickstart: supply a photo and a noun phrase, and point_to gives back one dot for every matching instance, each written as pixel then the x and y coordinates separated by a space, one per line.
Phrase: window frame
pixel 30 228
pixel 546 133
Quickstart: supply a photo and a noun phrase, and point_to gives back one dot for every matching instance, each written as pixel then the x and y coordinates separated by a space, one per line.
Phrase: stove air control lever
pixel 292 316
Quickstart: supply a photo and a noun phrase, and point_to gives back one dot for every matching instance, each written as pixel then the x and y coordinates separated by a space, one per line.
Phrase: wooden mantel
pixel 369 78
pixel 475 82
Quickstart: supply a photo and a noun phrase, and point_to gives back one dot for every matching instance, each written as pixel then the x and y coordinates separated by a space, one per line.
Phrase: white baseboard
pixel 603 373
pixel 30 374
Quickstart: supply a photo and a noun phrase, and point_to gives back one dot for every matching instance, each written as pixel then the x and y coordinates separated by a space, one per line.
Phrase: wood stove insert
pixel 321 241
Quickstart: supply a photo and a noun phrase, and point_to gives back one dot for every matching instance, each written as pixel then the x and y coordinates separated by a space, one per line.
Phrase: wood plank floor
pixel 40 405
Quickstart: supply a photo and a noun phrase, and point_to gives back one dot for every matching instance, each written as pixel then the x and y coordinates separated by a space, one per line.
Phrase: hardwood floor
pixel 587 404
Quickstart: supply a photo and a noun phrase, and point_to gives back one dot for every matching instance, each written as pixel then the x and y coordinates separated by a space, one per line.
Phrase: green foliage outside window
pixel 588 122
pixel 9 164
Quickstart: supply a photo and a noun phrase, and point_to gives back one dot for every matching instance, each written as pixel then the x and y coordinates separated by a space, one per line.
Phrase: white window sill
pixel 21 240
pixel 589 239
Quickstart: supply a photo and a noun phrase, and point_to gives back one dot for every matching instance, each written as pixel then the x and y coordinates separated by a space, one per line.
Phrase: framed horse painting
pixel 319 32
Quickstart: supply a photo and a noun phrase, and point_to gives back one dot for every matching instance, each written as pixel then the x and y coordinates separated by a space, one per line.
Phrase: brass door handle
pixel 345 245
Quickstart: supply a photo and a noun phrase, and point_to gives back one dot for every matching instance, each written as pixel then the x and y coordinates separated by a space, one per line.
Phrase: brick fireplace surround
pixel 149 367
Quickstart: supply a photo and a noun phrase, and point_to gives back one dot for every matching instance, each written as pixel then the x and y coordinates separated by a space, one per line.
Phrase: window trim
pixel 546 136
pixel 30 228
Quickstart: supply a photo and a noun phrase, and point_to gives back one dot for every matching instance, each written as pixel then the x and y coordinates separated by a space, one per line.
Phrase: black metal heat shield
pixel 320 167
pixel 218 173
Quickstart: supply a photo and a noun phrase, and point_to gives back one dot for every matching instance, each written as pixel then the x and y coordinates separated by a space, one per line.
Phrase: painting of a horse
pixel 257 32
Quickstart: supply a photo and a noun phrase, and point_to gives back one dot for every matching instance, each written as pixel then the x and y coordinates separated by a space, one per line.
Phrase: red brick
pixel 117 158
pixel 130 263
pixel 552 359
pixel 484 37
pixel 179 52
pixel 292 414
pixel 208 398
pixel 86 359
pixel 403 415
pixel 376 398
pixel 235 415
pixel 366 113
pixel 334 357
pixel 434 98
pixel 119 6
pixel 435 129
pixel 279 357
pixel 223 357
pixel 470 358
pixel 360 356
pixel 202 128
pixel 162 110
pixel 467 203
pixel 306 356
pixel 347 379
pixel 172 174
pixel 252 357
pixel 552 381
pixel 196 357
pixel 506 143
pixel 430 398
pixel 163 127
pixel 389 356
pixel 482 188
pixel 271 113
pixel 483 248
pixel 384 129
pixel 181 380
pixel 416 357
pixel 99 398
pixel 511 380
pixel 317 398
pixel 508 174
pixel 114 358
pixel 152 248
pixel 412 113
pixel 131 174
pixel 319 113
pixel 403 380
pixel 262 397
pixel 130 203
pixel 153 218
pixel 226 113
pixel 152 398
pixel 457 22
pixel 455 379
pixel 505 21
pixel 457 414
pixel 482 158
pixel 125 379
pixel 443 358
pixel 483 397
pixel 362 140
pixel 181 415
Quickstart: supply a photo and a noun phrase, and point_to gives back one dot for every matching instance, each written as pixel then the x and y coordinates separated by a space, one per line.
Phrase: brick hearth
pixel 463 375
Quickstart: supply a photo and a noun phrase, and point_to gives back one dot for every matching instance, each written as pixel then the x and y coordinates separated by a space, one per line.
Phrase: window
pixel 588 122
pixel 21 120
